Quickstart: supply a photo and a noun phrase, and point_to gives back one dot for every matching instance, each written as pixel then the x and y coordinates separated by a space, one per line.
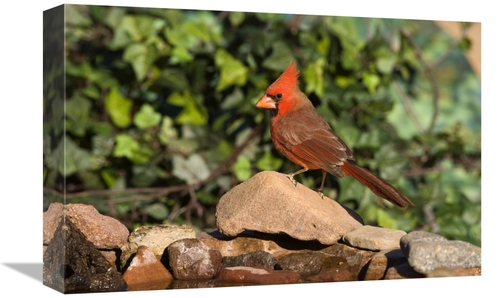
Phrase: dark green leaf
pixel 192 113
pixel 158 211
pixel 78 113
pixel 141 56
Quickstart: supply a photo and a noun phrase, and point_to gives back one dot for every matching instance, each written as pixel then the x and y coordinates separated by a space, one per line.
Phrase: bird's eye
pixel 279 96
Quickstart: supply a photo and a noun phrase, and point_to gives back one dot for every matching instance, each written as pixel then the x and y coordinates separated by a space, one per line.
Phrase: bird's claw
pixel 290 177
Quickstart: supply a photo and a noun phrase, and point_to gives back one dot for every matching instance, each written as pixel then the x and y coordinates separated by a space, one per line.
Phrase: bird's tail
pixel 379 186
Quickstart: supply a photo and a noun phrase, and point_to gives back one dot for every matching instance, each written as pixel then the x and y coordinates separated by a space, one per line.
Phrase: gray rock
pixel 427 252
pixel 421 235
pixel 192 259
pixel 374 238
pixel 270 203
pixel 258 259
pixel 72 264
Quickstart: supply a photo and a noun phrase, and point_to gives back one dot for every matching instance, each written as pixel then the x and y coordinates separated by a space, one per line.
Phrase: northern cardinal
pixel 306 139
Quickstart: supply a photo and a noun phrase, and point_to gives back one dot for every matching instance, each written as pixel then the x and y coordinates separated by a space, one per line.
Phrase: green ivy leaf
pixel 199 30
pixel 242 168
pixel 141 56
pixel 344 82
pixel 236 17
pixel 390 162
pixel 386 220
pixel 234 99
pixel 118 108
pixel 180 54
pixel 158 211
pixel 69 158
pixel 191 170
pixel 268 162
pixel 350 189
pixel 371 81
pixel 147 117
pixel 143 175
pixel 192 113
pixel 314 77
pixel 280 58
pixel 232 70
pixel 179 37
pixel 167 131
pixel 174 78
pixel 127 147
pixel 108 177
pixel 386 64
pixel 78 114
pixel 102 144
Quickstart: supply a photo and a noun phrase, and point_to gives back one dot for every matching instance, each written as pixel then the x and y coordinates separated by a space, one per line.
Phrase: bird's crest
pixel 289 78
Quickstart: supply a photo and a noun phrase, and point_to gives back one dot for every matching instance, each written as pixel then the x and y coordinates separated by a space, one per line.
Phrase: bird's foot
pixel 290 177
pixel 320 192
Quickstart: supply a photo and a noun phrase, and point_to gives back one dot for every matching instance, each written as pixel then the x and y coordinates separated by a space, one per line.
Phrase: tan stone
pixel 270 203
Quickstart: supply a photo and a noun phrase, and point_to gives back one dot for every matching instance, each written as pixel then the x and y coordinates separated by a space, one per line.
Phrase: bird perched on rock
pixel 306 139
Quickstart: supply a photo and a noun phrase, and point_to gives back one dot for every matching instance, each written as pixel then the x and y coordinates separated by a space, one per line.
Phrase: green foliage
pixel 160 111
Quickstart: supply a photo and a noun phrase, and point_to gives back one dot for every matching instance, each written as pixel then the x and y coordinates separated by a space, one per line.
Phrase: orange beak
pixel 266 102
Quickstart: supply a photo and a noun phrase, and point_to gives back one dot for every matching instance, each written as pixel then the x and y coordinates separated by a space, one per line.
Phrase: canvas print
pixel 200 149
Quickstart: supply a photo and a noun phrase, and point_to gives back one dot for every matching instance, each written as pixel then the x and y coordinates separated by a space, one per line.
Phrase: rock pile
pixel 269 232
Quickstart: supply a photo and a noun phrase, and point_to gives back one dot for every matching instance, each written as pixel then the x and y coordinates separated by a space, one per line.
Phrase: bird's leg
pixel 290 176
pixel 320 190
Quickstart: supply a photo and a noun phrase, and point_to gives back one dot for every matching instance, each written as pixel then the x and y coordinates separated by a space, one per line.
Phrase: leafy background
pixel 159 116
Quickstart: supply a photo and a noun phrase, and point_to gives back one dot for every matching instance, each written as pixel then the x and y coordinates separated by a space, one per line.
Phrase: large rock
pixel 270 203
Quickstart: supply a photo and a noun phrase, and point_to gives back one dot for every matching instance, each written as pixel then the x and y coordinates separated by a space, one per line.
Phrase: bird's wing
pixel 311 139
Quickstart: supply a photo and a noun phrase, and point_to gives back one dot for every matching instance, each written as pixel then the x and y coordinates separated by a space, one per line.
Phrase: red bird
pixel 306 139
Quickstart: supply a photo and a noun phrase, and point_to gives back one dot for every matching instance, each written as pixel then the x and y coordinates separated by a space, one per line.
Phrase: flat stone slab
pixel 374 238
